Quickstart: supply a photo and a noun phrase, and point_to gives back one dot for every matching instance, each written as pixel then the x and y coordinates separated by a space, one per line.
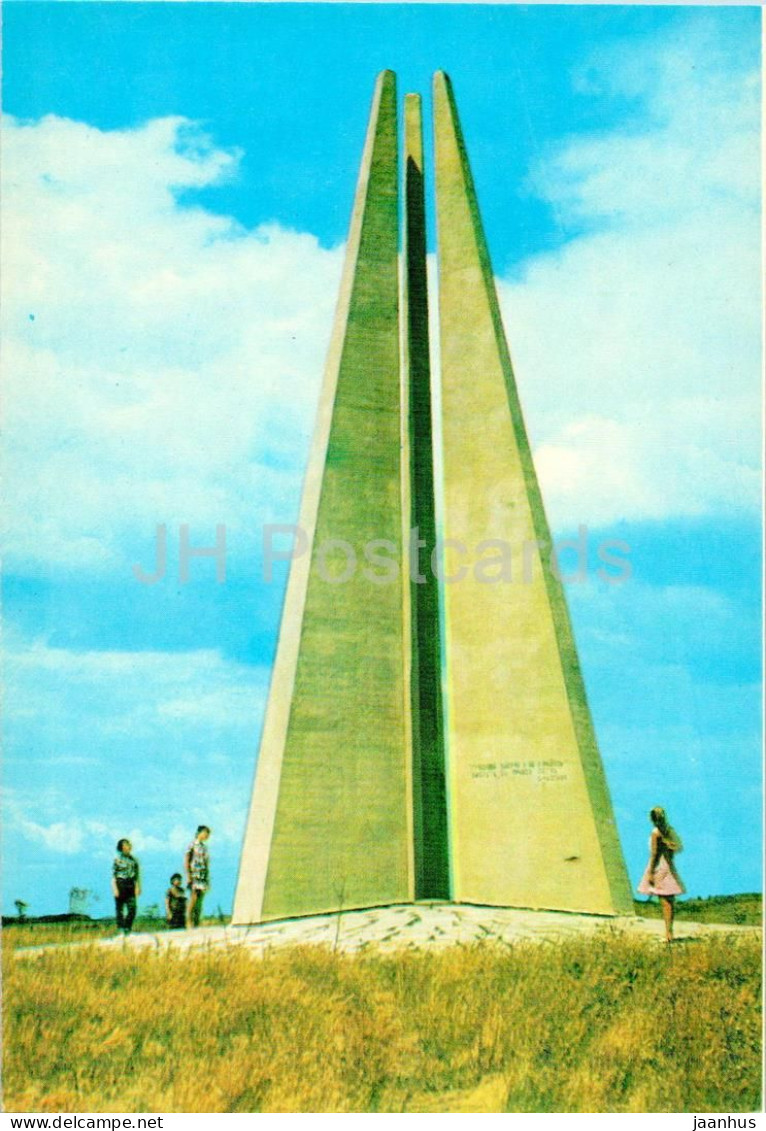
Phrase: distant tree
pixel 152 911
pixel 21 908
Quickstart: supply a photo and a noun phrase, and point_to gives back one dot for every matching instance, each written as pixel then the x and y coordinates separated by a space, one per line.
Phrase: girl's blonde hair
pixel 670 837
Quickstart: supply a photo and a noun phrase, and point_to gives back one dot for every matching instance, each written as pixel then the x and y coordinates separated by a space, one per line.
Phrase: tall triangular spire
pixel 532 822
pixel 330 821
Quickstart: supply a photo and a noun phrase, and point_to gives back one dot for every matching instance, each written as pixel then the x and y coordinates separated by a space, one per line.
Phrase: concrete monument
pixel 369 790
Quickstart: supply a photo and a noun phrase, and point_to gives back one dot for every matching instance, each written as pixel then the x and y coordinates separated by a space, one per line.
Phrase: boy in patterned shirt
pixel 197 862
pixel 126 885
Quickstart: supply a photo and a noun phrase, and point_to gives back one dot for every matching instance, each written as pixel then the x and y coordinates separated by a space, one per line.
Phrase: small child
pixel 175 903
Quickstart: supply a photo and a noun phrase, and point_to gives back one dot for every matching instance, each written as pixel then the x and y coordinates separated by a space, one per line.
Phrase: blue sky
pixel 178 186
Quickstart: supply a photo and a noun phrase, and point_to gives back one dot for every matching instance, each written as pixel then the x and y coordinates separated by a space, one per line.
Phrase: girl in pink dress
pixel 661 877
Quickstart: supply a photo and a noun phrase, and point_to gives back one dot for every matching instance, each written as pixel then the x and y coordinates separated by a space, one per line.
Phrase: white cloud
pixel 637 344
pixel 162 362
pixel 59 836
pixel 138 695
pixel 77 835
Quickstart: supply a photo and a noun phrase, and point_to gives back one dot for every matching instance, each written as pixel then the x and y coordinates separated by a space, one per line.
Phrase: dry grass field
pixel 610 1024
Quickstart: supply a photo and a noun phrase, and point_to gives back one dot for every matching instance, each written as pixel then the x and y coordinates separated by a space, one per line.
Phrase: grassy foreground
pixel 609 1024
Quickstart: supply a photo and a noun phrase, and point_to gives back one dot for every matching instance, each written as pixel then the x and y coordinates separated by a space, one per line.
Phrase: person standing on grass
pixel 126 885
pixel 197 863
pixel 661 877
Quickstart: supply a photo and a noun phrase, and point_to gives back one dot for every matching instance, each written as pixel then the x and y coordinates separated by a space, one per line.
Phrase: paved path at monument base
pixel 411 925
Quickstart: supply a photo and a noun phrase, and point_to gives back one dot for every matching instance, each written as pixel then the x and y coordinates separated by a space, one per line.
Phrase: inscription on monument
pixel 539 769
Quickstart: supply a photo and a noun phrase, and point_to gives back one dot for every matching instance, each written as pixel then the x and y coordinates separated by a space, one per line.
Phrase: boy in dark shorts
pixel 126 885
pixel 175 903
